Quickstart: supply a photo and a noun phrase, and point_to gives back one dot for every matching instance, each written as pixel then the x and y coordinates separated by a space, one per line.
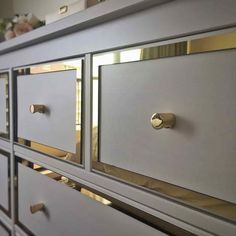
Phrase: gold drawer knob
pixel 163 120
pixel 63 10
pixel 34 108
pixel 36 207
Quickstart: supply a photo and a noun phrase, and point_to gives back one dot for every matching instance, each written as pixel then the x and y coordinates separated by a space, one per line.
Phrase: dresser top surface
pixel 89 17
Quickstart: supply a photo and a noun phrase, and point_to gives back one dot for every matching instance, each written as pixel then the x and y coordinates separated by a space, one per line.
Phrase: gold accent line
pixel 212 43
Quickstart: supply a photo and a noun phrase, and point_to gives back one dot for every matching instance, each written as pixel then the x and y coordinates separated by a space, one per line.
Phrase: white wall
pixel 6 8
pixel 6 11
pixel 40 8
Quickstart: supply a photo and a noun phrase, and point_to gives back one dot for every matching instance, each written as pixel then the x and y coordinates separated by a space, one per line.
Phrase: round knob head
pixel 32 109
pixel 163 120
pixel 156 121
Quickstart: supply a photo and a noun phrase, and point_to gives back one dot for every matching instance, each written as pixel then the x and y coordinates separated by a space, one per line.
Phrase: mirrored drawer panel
pixel 4 182
pixel 4 105
pixel 49 207
pixel 49 108
pixel 166 117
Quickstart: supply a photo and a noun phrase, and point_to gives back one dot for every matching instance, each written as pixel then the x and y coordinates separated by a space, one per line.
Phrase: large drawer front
pixel 57 92
pixel 199 152
pixel 4 198
pixel 68 212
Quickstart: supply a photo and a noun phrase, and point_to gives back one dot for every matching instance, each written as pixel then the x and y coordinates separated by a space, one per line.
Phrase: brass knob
pixel 63 10
pixel 163 120
pixel 37 108
pixel 36 207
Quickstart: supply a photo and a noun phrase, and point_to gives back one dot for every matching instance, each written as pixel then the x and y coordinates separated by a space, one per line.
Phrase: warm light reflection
pixel 105 59
pixel 212 43
pixel 95 196
pixel 71 183
pixel 130 55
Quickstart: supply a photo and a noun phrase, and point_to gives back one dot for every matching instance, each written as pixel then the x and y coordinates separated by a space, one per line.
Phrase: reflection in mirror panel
pixel 203 202
pixel 61 93
pixel 4 105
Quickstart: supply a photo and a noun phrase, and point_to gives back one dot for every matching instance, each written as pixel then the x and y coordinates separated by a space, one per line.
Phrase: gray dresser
pixel 120 120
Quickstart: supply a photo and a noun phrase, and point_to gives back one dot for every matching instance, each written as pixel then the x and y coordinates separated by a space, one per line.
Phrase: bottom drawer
pixel 3 230
pixel 68 212
pixel 4 197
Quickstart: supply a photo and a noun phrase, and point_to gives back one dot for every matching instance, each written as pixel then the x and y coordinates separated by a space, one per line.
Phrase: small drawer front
pixel 68 212
pixel 54 124
pixel 3 106
pixel 4 198
pixel 199 152
pixel 3 230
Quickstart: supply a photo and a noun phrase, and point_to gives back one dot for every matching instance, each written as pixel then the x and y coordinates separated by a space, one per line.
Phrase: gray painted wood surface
pixel 19 231
pixel 70 213
pixel 199 153
pixel 4 182
pixel 3 231
pixel 5 145
pixel 57 91
pixel 168 21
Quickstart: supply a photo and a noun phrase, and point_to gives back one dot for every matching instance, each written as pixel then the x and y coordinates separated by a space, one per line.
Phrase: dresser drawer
pixel 68 212
pixel 47 109
pixel 198 153
pixel 4 185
